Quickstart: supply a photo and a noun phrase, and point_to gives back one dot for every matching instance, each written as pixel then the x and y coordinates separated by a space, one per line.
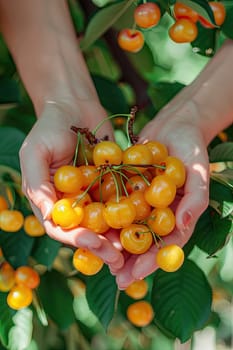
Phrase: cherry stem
pixel 108 118
pixel 132 139
pixel 90 136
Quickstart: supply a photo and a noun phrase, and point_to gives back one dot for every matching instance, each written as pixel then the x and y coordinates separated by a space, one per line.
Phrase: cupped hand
pixel 185 140
pixel 50 144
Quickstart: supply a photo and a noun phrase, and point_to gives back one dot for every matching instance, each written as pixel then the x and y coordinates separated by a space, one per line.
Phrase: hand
pixel 50 144
pixel 178 129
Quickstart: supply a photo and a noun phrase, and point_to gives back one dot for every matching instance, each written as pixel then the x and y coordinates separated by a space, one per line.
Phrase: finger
pixel 78 237
pixel 110 255
pixel 114 237
pixel 124 276
pixel 196 196
pixel 36 182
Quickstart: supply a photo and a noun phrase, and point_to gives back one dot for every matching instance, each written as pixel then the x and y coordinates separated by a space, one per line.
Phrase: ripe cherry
pixel 86 262
pixel 136 238
pixel 19 297
pixel 3 203
pixel 147 15
pixel 136 183
pixel 27 276
pixel 93 218
pixel 119 214
pixel 90 176
pixel 131 40
pixel 143 209
pixel 175 169
pixel 183 11
pixel 11 220
pixel 162 221
pixel 107 187
pixel 140 313
pixel 137 289
pixel 219 12
pixel 183 31
pixel 68 179
pixel 7 277
pixel 135 155
pixel 159 151
pixel 170 258
pixel 161 192
pixel 107 152
pixel 65 215
pixel 33 227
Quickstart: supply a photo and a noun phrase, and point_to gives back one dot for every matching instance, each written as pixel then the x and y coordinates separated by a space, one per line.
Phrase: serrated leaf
pixel 56 299
pixel 219 192
pixel 11 140
pixel 162 92
pixel 111 96
pixel 202 7
pixel 211 232
pixel 45 250
pixel 6 322
pixel 16 247
pixel 102 21
pixel 181 300
pixel 223 152
pixel 20 334
pixel 101 292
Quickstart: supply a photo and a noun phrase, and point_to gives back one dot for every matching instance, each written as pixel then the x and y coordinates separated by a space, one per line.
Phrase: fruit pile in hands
pixel 130 190
pixel 148 14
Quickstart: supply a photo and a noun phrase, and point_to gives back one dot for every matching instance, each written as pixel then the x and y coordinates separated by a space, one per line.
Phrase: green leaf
pixel 225 178
pixel 6 322
pixel 45 250
pixel 223 152
pixel 9 91
pixel 162 92
pixel 211 232
pixel 227 26
pixel 227 209
pixel 102 21
pixel 202 7
pixel 181 300
pixel 20 334
pixel 110 95
pixel 219 192
pixel 205 42
pixel 101 295
pixel 11 140
pixel 16 247
pixel 56 299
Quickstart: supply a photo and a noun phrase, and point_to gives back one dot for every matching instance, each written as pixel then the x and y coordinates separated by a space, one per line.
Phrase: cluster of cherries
pixel 184 30
pixel 129 190
pixel 13 220
pixel 19 283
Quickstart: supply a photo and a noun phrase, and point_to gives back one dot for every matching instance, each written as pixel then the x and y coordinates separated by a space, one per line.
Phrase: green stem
pixel 108 118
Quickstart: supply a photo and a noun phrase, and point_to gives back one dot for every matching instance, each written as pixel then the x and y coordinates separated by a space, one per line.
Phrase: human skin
pixel 42 41
pixel 186 125
pixel 56 77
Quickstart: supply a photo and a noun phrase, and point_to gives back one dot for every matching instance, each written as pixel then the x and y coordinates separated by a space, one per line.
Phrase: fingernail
pixel 187 220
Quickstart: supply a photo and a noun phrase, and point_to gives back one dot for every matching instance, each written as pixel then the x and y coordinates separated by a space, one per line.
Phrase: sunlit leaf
pixel 211 232
pixel 6 322
pixel 102 20
pixel 223 152
pixel 20 334
pixel 181 300
pixel 101 295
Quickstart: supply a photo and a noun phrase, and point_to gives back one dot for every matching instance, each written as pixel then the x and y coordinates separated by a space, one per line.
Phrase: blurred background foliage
pixel 148 79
